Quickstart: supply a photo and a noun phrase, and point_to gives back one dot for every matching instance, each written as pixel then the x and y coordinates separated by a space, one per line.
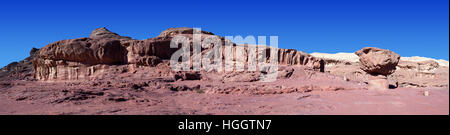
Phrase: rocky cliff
pixel 81 58
pixel 104 52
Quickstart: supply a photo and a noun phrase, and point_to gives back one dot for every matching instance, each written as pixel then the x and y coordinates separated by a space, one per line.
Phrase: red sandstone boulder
pixel 377 61
pixel 191 75
pixel 378 82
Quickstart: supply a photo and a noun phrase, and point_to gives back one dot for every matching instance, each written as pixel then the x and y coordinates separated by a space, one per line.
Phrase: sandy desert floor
pixel 50 99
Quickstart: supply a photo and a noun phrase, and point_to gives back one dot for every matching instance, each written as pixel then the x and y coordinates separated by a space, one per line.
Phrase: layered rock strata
pixel 378 63
pixel 81 58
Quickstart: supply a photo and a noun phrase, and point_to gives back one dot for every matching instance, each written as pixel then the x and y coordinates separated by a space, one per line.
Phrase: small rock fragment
pixel 426 93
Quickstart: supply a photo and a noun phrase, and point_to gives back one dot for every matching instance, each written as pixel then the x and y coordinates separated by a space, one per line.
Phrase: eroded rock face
pixel 81 58
pixel 22 70
pixel 171 32
pixel 294 57
pixel 241 77
pixel 428 65
pixel 378 82
pixel 148 52
pixel 187 76
pixel 75 59
pixel 377 61
pixel 105 33
pixel 85 51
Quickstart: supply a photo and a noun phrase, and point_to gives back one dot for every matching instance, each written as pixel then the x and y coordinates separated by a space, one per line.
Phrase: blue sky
pixel 408 27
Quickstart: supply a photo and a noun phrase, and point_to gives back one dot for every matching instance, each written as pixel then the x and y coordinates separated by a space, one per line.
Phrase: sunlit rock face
pixel 82 58
pixel 378 63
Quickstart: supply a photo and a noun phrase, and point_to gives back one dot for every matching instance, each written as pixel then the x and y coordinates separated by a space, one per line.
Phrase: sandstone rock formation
pixel 379 63
pixel 22 70
pixel 82 58
pixel 171 32
pixel 352 57
pixel 410 71
pixel 105 33
pixel 107 73
pixel 105 51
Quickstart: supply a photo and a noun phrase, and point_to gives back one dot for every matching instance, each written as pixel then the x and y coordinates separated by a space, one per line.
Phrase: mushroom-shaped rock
pixel 376 61
pixel 379 63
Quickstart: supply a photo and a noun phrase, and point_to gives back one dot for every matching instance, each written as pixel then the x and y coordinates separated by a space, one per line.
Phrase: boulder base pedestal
pixel 379 82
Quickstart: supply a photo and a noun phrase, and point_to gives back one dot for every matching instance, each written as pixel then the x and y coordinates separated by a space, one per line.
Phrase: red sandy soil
pixel 27 97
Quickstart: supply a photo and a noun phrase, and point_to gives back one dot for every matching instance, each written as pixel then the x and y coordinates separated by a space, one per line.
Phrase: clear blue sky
pixel 408 27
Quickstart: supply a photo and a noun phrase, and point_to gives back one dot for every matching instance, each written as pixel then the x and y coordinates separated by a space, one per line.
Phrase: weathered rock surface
pixel 410 71
pixel 378 82
pixel 294 57
pixel 22 70
pixel 105 33
pixel 378 61
pixel 105 51
pixel 171 32
pixel 81 58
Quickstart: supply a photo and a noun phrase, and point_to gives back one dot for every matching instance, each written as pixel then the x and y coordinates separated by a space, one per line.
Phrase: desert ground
pixel 58 99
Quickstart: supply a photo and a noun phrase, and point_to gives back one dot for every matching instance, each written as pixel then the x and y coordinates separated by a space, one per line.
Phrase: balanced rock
pixel 379 63
pixel 376 61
